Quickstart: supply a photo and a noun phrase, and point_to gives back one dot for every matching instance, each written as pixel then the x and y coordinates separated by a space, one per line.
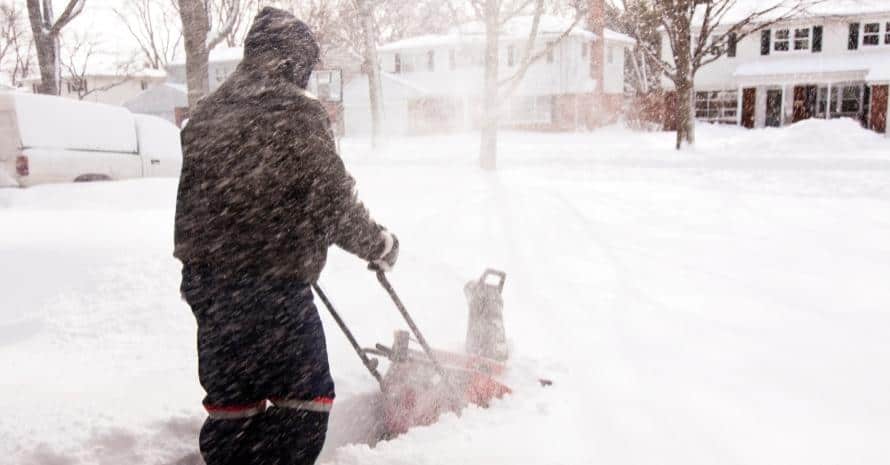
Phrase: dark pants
pixel 259 340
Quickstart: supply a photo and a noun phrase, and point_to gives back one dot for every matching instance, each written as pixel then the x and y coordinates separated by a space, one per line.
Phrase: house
pixel 110 86
pixel 326 83
pixel 830 61
pixel 162 101
pixel 435 82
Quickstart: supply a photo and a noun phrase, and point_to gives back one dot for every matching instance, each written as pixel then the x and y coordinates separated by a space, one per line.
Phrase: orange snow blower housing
pixel 421 385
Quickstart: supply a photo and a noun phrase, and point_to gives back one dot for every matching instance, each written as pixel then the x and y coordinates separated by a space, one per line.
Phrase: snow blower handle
pixel 420 339
pixel 500 275
pixel 369 364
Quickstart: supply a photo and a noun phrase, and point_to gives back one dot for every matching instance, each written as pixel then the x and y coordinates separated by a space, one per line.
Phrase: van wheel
pixel 92 178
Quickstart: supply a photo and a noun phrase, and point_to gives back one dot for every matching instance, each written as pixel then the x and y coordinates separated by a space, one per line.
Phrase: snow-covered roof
pixel 521 26
pixel 217 55
pixel 517 29
pixel 615 36
pixel 880 72
pixel 809 9
pixel 864 63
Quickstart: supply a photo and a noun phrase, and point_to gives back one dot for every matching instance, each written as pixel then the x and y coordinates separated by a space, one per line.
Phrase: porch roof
pixel 871 66
pixel 880 72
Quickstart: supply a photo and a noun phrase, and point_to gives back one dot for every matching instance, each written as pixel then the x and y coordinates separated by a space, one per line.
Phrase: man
pixel 262 196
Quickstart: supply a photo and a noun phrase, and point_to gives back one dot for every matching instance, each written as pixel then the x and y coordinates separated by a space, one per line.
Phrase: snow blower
pixel 421 385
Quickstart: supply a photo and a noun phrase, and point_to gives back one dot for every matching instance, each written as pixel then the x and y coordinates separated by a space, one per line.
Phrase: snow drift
pixel 722 305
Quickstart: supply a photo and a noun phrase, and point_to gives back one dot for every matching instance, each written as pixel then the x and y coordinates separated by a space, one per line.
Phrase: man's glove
pixel 390 253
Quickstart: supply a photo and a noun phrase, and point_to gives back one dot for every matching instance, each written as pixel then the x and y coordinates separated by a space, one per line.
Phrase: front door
pixel 749 103
pixel 879 96
pixel 774 108
pixel 805 98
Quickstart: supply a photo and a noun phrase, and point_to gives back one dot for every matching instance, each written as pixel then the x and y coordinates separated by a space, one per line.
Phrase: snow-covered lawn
pixel 728 305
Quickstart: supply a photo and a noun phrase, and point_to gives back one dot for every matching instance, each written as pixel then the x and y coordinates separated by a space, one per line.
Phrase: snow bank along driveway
pixel 725 306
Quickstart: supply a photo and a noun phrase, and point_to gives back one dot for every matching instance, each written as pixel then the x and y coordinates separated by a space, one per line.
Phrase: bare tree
pixel 700 32
pixel 78 58
pixel 495 14
pixel 16 46
pixel 46 30
pixel 372 62
pixel 640 20
pixel 200 39
pixel 220 14
pixel 154 25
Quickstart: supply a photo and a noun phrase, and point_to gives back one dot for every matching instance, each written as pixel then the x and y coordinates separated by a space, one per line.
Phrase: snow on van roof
pixel 47 121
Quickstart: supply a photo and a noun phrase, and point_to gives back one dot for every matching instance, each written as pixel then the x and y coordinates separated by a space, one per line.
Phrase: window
pixel 397 63
pixel 818 32
pixel 887 34
pixel 781 42
pixel 511 55
pixel 409 64
pixel 35 88
pixel 846 101
pixel 871 34
pixel 76 86
pixel 610 55
pixel 143 85
pixel 732 45
pixel 549 52
pixel 851 99
pixel 717 107
pixel 802 39
pixel 221 74
pixel 853 38
pixel 431 60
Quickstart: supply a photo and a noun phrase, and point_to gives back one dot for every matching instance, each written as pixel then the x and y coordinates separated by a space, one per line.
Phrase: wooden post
pixel 740 107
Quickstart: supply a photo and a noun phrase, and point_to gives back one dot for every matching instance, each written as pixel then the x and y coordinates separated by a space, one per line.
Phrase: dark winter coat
pixel 262 189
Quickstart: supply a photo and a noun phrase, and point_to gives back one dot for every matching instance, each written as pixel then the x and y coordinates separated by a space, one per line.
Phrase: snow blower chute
pixel 421 385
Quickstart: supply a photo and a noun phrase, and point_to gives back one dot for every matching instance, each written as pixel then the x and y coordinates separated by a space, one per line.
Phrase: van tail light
pixel 21 165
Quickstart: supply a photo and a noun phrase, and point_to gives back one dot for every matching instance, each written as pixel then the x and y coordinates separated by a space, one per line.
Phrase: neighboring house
pixel 161 101
pixel 326 82
pixel 833 61
pixel 434 82
pixel 110 87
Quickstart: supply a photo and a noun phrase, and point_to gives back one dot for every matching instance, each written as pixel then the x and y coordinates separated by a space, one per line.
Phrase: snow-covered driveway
pixel 729 305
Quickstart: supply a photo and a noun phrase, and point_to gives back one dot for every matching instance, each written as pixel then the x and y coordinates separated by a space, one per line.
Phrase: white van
pixel 46 139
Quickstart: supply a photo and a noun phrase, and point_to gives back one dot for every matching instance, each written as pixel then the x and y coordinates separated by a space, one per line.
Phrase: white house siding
pixel 118 93
pixel 613 72
pixel 447 93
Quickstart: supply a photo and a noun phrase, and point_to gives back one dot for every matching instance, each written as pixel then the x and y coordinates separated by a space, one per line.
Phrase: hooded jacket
pixel 263 190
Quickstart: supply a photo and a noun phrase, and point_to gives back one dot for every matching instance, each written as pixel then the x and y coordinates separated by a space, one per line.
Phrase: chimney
pixel 596 23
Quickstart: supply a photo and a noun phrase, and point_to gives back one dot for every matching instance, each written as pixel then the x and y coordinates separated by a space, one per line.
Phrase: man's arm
pixel 353 229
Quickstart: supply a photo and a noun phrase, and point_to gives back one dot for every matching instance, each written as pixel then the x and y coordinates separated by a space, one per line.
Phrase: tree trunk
pixel 685 114
pixel 195 27
pixel 40 15
pixel 683 81
pixel 48 60
pixel 489 141
pixel 375 87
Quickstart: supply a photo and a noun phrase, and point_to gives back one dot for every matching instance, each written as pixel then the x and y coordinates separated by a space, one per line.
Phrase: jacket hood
pixel 281 45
